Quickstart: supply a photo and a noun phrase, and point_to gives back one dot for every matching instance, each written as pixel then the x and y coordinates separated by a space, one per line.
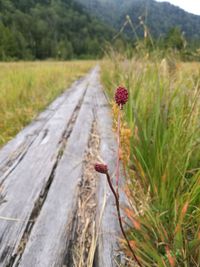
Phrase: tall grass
pixel 163 183
pixel 27 88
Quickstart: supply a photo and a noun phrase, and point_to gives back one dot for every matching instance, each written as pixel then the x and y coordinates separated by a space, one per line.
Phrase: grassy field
pixel 161 124
pixel 28 87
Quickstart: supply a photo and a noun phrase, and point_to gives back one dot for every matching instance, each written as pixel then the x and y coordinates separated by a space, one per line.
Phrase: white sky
pixel 192 6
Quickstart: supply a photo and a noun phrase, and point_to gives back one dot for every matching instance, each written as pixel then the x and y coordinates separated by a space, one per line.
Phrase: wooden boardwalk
pixel 40 175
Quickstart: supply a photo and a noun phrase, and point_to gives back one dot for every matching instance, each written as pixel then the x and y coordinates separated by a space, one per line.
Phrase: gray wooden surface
pixel 40 174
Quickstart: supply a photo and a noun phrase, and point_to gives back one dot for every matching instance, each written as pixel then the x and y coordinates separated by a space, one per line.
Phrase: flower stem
pixel 120 219
pixel 118 152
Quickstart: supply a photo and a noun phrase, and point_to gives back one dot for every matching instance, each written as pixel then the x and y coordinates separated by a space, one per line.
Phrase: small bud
pixel 121 96
pixel 102 168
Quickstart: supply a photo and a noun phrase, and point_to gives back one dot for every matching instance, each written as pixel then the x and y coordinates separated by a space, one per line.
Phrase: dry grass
pixel 28 87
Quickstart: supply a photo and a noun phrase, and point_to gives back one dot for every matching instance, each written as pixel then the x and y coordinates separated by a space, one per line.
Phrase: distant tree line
pixel 40 29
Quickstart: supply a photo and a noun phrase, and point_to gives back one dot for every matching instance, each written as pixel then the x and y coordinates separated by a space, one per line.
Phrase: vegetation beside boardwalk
pixel 27 88
pixel 163 172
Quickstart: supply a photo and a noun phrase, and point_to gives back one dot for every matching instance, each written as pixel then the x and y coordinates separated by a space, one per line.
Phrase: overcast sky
pixel 192 6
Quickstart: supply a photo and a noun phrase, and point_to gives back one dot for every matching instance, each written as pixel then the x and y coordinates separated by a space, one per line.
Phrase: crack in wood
pixel 2 196
pixel 14 160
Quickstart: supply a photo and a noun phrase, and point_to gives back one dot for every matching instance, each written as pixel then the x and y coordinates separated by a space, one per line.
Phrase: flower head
pixel 121 96
pixel 102 168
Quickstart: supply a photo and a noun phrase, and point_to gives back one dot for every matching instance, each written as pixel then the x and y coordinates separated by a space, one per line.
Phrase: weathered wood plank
pixel 26 183
pixel 49 239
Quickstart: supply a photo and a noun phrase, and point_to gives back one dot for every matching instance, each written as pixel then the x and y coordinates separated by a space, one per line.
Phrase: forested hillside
pixel 65 29
pixel 159 17
pixel 39 29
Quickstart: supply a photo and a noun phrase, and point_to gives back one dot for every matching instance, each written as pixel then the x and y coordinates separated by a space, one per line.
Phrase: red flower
pixel 121 96
pixel 102 168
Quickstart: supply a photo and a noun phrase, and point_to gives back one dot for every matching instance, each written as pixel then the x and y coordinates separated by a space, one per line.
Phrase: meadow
pixel 26 88
pixel 160 155
pixel 160 143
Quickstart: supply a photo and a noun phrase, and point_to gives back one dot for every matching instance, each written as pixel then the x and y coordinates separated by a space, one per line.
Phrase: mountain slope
pixel 49 28
pixel 159 16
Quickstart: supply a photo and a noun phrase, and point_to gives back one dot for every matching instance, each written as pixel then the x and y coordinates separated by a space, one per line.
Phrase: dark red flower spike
pixel 121 96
